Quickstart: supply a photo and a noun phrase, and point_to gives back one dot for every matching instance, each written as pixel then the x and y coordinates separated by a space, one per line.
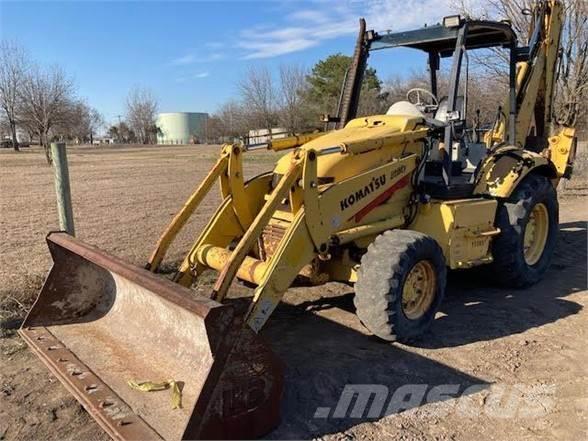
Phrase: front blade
pixel 99 322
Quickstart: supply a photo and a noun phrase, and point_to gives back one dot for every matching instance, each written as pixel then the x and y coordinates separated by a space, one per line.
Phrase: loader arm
pixel 229 169
pixel 313 225
pixel 187 210
pixel 316 215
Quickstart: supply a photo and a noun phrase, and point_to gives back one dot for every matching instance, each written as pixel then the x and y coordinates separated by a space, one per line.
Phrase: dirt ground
pixel 485 339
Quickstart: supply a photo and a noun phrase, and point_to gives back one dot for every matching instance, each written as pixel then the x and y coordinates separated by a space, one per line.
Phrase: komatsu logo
pixel 375 184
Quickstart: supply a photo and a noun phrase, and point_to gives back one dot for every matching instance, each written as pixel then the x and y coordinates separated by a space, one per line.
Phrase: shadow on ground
pixel 323 355
pixel 475 312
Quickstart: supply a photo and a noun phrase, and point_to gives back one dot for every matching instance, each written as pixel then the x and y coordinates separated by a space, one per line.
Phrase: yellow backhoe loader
pixel 386 203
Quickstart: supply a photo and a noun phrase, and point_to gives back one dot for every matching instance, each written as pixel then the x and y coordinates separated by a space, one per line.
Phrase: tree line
pixel 41 102
pixel 296 99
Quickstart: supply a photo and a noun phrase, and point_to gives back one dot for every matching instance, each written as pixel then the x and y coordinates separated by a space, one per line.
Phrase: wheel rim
pixel 536 232
pixel 419 290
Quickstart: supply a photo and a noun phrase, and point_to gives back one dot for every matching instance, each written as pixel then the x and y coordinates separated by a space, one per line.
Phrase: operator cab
pixel 454 147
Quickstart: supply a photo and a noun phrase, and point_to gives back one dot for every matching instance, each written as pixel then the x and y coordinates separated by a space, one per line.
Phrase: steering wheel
pixel 416 93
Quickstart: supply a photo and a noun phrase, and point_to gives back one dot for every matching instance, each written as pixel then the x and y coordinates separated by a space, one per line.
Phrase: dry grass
pixel 123 198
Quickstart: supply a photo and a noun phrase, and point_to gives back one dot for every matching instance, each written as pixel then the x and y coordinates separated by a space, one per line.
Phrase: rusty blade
pixel 105 406
pixel 99 322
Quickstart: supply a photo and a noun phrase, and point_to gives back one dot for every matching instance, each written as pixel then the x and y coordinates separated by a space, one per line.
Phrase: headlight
pixel 451 21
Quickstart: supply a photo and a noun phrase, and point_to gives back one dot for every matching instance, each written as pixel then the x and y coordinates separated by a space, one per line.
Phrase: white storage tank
pixel 181 127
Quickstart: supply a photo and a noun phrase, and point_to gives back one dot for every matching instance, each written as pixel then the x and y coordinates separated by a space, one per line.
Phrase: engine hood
pixel 375 136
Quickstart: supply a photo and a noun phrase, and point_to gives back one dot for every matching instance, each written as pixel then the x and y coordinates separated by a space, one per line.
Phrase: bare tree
pixel 81 124
pixel 396 87
pixel 231 120
pixel 572 97
pixel 372 102
pixel 13 69
pixel 95 122
pixel 126 134
pixel 292 112
pixel 46 97
pixel 4 127
pixel 258 96
pixel 215 130
pixel 571 93
pixel 142 114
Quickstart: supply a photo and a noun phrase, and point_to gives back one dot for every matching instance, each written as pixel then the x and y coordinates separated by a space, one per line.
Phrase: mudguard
pixel 502 171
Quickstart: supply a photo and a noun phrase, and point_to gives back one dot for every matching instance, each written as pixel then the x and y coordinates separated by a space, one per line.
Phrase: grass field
pixel 123 198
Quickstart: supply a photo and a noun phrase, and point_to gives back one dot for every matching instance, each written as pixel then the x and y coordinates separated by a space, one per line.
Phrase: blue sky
pixel 191 54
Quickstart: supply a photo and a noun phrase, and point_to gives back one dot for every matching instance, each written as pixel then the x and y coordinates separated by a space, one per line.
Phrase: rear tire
pixel 400 285
pixel 529 223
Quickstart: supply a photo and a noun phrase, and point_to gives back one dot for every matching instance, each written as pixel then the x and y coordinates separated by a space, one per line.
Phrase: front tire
pixel 400 285
pixel 529 222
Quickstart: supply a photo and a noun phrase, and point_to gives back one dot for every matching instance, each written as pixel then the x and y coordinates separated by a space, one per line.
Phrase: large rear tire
pixel 400 285
pixel 529 223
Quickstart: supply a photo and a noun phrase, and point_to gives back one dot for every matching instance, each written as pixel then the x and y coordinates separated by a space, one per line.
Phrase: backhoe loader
pixel 387 203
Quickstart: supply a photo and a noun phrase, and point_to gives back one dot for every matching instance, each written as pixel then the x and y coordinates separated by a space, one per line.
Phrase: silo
pixel 181 127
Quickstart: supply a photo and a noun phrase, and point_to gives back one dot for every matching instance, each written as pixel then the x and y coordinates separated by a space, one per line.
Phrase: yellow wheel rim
pixel 536 232
pixel 419 290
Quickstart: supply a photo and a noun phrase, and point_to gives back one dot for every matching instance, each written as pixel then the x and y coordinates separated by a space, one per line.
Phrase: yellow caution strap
pixel 176 395
pixel 153 386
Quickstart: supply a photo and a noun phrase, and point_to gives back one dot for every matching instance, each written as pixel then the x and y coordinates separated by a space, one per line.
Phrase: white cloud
pixel 186 59
pixel 193 58
pixel 272 49
pixel 196 76
pixel 407 14
pixel 306 28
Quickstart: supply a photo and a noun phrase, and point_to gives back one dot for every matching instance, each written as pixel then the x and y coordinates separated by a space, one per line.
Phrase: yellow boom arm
pixel 535 79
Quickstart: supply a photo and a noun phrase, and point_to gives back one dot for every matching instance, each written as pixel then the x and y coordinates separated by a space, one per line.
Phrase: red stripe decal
pixel 403 182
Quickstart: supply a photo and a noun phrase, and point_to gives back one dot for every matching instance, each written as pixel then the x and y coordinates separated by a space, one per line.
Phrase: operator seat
pixel 431 181
pixel 405 108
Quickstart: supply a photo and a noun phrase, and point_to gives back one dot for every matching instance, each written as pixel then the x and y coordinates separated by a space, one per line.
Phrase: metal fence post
pixel 62 189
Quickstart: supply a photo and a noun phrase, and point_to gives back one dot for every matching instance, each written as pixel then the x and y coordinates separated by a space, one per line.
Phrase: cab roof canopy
pixel 442 39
